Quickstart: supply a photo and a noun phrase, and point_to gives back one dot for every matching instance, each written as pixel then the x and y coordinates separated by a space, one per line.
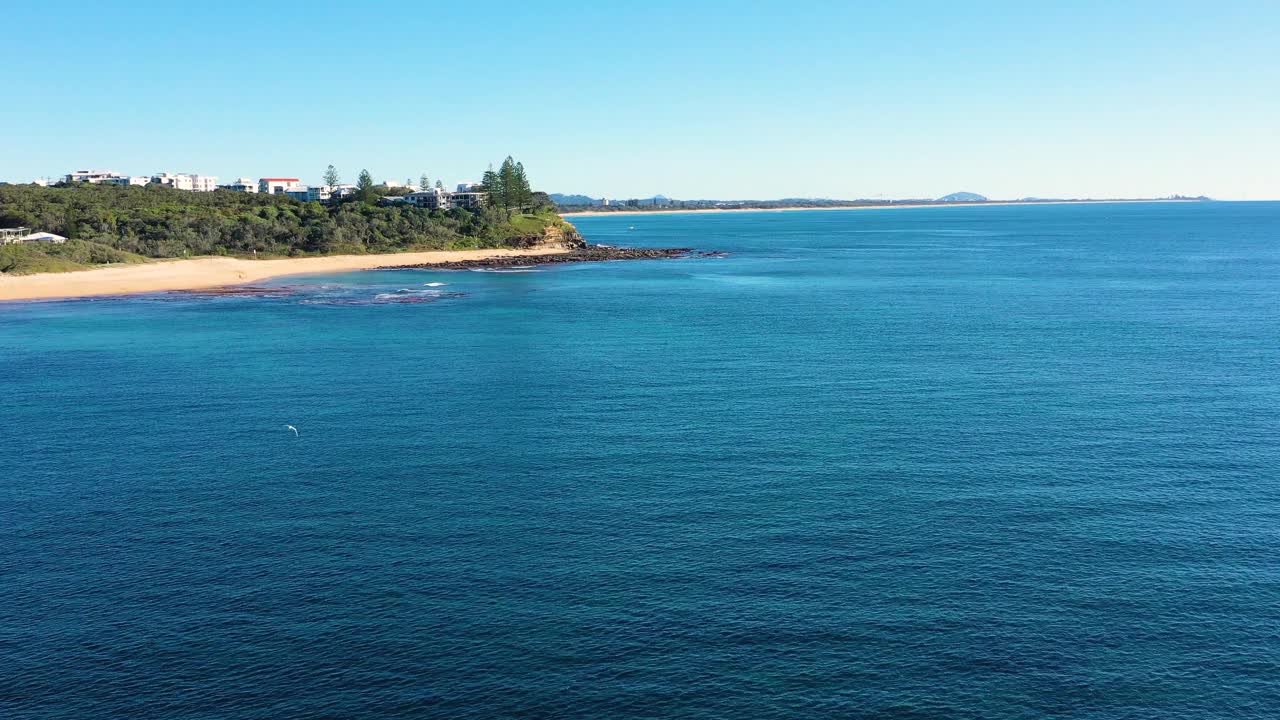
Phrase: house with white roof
pixel 42 237
pixel 19 235
pixel 244 184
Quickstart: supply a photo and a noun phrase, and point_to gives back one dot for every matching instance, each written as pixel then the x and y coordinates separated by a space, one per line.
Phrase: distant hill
pixel 562 199
pixel 963 197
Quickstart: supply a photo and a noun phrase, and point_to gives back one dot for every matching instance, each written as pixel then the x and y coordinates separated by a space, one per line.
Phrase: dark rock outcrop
pixel 589 253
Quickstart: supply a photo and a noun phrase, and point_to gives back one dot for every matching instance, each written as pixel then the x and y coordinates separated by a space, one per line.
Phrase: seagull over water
pixel 294 429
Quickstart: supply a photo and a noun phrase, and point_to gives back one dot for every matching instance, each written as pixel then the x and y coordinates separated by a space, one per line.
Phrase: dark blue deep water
pixel 1004 462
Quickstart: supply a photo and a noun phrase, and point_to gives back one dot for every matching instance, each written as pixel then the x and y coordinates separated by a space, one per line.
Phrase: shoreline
pixel 214 272
pixel 712 211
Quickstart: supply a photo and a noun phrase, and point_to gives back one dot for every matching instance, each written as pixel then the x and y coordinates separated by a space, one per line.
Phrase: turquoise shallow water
pixel 1005 462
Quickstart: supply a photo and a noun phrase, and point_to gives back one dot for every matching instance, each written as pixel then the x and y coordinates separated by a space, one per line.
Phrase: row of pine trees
pixel 508 186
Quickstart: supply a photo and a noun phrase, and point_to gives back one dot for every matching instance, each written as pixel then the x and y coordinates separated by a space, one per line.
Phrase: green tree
pixel 509 183
pixel 364 188
pixel 492 183
pixel 439 184
pixel 423 183
pixel 331 177
pixel 523 195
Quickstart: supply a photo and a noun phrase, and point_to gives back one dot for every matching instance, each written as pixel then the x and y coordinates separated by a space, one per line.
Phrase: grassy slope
pixel 535 223
pixel 521 225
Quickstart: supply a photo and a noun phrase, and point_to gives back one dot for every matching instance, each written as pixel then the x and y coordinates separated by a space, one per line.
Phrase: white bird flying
pixel 294 429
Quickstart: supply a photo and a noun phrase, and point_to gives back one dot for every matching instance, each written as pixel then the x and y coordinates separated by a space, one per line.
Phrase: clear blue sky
pixel 705 99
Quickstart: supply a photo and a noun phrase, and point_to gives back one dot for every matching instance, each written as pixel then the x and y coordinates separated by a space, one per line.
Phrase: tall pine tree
pixel 509 182
pixel 364 188
pixel 492 183
pixel 523 194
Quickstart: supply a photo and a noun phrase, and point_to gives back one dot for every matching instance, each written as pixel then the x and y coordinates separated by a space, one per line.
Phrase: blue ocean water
pixel 1000 462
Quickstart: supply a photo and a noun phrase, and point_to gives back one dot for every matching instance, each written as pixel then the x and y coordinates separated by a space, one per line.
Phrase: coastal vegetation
pixel 111 224
pixel 64 257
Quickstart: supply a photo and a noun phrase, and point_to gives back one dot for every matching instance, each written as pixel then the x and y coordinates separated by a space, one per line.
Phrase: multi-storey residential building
pixel 127 180
pixel 91 176
pixel 187 181
pixel 341 192
pixel 273 186
pixel 440 199
pixel 311 193
pixel 470 200
pixel 431 199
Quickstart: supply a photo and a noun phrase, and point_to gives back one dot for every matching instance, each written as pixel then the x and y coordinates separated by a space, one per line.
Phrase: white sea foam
pixel 406 293
pixel 434 284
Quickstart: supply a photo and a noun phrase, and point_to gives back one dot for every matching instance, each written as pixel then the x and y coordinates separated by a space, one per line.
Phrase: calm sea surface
pixel 1004 462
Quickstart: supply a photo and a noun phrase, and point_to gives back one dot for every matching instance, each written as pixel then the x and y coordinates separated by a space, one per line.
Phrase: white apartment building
pixel 127 180
pixel 438 199
pixel 431 199
pixel 91 176
pixel 470 200
pixel 187 181
pixel 273 186
pixel 311 193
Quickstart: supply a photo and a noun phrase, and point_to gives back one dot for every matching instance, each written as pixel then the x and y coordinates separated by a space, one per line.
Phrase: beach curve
pixel 210 272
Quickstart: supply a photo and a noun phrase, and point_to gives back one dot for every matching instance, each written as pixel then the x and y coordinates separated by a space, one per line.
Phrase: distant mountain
pixel 562 199
pixel 963 197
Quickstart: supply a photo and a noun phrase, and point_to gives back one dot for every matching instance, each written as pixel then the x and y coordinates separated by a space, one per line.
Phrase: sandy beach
pixel 212 272
pixel 714 211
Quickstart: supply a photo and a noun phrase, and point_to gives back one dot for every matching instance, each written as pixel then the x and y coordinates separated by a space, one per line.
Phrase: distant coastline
pixel 880 206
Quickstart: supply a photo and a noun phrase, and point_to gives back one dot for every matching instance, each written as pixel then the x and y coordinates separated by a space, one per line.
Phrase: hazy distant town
pixel 587 203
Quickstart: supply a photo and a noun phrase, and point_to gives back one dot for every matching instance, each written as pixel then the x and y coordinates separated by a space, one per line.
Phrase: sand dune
pixel 218 271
